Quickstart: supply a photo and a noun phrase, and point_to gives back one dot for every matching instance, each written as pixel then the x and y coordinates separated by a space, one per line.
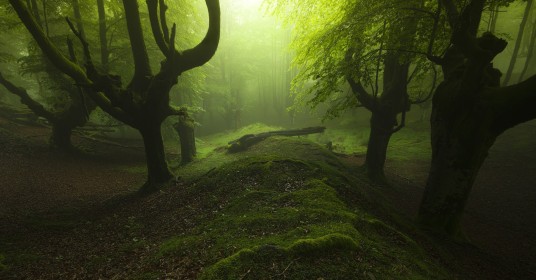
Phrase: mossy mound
pixel 288 209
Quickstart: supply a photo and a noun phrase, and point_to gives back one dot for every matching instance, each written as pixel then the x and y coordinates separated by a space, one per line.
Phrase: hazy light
pixel 248 3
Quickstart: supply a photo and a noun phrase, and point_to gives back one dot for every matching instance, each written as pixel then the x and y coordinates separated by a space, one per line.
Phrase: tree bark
pixel 460 143
pixel 470 110
pixel 61 136
pixel 157 168
pixel 102 35
pixel 185 129
pixel 381 129
pixel 517 46
pixel 530 54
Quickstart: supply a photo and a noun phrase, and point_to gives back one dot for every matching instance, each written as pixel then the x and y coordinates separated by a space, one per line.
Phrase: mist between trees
pixel 152 69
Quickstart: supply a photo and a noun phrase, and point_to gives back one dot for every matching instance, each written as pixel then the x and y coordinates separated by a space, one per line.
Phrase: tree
pixel 470 110
pixel 143 103
pixel 70 108
pixel 517 46
pixel 371 46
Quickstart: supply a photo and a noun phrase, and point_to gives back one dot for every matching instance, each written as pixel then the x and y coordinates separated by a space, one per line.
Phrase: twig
pixel 286 268
pixel 244 276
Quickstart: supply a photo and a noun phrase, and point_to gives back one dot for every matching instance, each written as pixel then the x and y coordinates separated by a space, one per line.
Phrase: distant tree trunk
pixel 78 18
pixel 383 122
pixel 102 35
pixel 530 52
pixel 381 129
pixel 517 46
pixel 494 17
pixel 157 168
pixel 61 136
pixel 186 130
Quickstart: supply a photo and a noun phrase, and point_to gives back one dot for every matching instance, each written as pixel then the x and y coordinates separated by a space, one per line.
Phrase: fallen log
pixel 248 140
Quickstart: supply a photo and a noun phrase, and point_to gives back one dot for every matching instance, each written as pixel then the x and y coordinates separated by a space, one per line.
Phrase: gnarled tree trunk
pixel 470 110
pixel 157 168
pixel 460 143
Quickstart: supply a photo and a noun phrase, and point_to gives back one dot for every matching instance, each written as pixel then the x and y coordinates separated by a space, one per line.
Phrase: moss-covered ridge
pixel 283 212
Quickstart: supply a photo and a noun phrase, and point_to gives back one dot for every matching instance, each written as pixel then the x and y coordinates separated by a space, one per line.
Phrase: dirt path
pixel 35 179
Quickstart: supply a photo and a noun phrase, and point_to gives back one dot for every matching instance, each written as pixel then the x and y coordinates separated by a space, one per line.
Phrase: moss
pixel 286 208
pixel 323 245
pixel 227 268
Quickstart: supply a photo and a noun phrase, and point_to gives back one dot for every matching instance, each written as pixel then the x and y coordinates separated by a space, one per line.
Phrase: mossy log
pixel 248 140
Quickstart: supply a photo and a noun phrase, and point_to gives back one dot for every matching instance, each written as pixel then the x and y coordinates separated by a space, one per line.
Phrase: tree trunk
pixel 157 168
pixel 458 152
pixel 61 136
pixel 530 53
pixel 185 129
pixel 381 129
pixel 517 46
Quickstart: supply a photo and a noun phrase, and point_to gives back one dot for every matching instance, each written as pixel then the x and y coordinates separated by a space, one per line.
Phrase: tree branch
pixel 452 13
pixel 365 98
pixel 514 104
pixel 142 67
pixel 204 51
pixel 152 7
pixel 49 49
pixel 163 21
pixel 27 100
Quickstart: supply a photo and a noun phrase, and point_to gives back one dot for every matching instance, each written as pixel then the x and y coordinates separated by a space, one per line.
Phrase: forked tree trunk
pixel 157 168
pixel 381 129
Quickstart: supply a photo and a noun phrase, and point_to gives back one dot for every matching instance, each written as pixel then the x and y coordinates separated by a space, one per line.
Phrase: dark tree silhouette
pixel 144 102
pixel 470 110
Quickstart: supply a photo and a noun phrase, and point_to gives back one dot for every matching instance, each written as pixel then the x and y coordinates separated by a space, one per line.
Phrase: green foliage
pixel 335 39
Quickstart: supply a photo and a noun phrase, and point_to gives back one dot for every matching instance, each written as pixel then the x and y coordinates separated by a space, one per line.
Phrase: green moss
pixel 276 211
pixel 137 169
pixel 323 245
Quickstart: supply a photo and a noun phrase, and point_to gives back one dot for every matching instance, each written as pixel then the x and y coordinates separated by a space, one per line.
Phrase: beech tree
pixel 470 110
pixel 73 109
pixel 377 48
pixel 143 103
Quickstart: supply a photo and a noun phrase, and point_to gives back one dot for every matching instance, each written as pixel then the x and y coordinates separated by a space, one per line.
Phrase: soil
pixel 37 184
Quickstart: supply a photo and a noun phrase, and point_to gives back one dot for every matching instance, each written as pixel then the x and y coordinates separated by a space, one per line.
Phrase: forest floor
pixel 44 192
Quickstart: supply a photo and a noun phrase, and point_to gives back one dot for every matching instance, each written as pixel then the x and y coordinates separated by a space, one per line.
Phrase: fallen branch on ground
pixel 248 140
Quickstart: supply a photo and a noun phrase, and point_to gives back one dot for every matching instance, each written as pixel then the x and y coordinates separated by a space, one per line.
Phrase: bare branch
pixel 204 51
pixel 163 20
pixel 142 67
pixel 152 6
pixel 27 100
